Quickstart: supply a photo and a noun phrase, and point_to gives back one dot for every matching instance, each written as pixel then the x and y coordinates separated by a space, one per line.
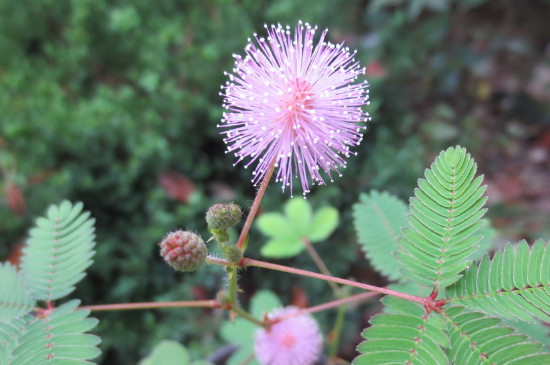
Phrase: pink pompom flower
pixel 295 340
pixel 296 104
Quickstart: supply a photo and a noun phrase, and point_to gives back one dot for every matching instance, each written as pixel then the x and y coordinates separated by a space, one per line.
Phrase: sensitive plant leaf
pixel 298 211
pixel 167 352
pixel 10 333
pixel 170 352
pixel 275 225
pixel 444 215
pixel 515 284
pixel 537 331
pixel 58 251
pixel 15 299
pixel 288 231
pixel 477 338
pixel 487 234
pixel 378 219
pixel 410 287
pixel 323 224
pixel 282 248
pixel 403 335
pixel 241 332
pixel 58 337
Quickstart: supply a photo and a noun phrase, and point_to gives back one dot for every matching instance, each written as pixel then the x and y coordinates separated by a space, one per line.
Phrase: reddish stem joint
pixel 434 305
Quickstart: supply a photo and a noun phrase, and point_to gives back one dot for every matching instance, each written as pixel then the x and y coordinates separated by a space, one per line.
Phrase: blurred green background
pixel 115 104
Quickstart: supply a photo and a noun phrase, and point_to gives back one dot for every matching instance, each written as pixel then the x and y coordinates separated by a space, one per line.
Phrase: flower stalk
pixel 255 206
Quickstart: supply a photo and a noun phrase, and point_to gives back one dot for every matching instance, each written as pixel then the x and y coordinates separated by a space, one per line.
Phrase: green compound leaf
pixel 538 331
pixel 444 216
pixel 58 251
pixel 241 332
pixel 282 248
pixel 488 234
pixel 167 352
pixel 323 224
pixel 378 219
pixel 403 335
pixel 58 337
pixel 275 225
pixel 288 231
pixel 515 284
pixel 298 212
pixel 10 332
pixel 172 353
pixel 477 338
pixel 15 299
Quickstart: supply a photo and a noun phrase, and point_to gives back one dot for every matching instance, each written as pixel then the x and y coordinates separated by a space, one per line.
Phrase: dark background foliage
pixel 115 104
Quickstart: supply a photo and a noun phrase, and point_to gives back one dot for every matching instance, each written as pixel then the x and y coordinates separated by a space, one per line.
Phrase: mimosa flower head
pixel 295 340
pixel 296 104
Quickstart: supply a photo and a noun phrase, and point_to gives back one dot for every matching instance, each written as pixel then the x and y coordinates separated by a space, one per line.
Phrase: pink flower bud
pixel 183 250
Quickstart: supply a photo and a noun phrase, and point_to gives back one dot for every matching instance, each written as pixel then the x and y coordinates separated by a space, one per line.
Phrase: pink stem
pixel 339 302
pixel 332 304
pixel 152 305
pixel 256 204
pixel 216 261
pixel 251 262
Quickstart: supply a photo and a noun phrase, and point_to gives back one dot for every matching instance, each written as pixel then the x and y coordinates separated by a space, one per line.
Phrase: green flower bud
pixel 232 254
pixel 183 250
pixel 223 216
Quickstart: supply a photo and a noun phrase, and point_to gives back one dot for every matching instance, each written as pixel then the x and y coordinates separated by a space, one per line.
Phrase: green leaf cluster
pixel 403 334
pixel 59 250
pixel 514 284
pixel 435 248
pixel 444 215
pixel 378 219
pixel 287 231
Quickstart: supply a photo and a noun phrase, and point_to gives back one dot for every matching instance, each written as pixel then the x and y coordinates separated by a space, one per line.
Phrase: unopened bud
pixel 232 254
pixel 183 250
pixel 223 216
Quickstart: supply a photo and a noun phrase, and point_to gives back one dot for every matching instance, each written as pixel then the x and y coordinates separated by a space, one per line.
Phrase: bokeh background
pixel 116 103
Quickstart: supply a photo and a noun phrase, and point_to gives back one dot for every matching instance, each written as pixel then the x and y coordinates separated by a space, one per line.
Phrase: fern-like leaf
pixel 58 251
pixel 444 214
pixel 477 338
pixel 515 284
pixel 59 338
pixel 10 332
pixel 15 299
pixel 403 335
pixel 378 220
